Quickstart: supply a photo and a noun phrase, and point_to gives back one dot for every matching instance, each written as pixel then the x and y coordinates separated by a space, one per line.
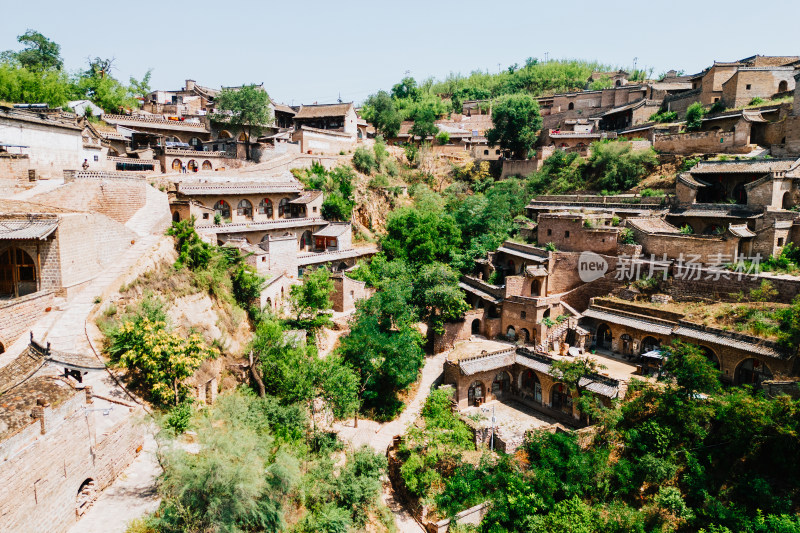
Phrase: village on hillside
pixel 395 314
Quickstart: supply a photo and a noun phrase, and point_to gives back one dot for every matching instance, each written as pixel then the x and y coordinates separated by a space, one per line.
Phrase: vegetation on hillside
pixel 35 74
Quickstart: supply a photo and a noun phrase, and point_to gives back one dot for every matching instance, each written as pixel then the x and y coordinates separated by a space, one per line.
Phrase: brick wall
pixel 712 142
pixel 13 172
pixel 17 315
pixel 346 292
pixel 675 245
pixel 570 235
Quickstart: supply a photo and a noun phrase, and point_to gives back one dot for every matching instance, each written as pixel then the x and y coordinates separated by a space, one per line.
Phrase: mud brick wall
pixel 117 198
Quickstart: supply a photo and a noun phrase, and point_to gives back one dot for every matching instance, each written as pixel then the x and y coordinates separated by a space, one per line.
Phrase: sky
pixel 317 51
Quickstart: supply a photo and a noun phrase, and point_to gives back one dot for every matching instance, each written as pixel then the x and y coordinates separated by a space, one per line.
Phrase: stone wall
pixel 708 248
pixel 459 331
pixel 519 168
pixel 17 315
pixel 711 142
pixel 569 234
pixel 43 471
pixel 346 292
pixel 117 198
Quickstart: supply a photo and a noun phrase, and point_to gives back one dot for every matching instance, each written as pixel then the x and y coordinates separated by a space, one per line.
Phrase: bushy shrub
pixel 694 116
pixel 617 167
pixel 364 160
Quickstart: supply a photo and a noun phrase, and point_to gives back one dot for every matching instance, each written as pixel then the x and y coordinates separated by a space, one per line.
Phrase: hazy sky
pixel 307 51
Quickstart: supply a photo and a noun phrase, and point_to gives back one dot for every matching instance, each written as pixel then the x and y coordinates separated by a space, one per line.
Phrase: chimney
pixel 189 85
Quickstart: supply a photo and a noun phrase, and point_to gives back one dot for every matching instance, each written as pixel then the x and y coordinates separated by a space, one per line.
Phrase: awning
pixel 653 354
pixel 12 230
pixel 741 230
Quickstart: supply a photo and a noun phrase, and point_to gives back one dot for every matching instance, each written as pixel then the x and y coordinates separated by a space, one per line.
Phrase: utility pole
pixel 546 55
pixel 635 59
pixel 491 445
pixel 498 68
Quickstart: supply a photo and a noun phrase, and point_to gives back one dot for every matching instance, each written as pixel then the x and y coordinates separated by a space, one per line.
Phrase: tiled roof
pixel 20 369
pixel 313 258
pixel 733 342
pixel 238 188
pixel 521 254
pixel 741 230
pixel 484 363
pixel 16 229
pixel 285 109
pixel 334 229
pixel 638 323
pixel 715 210
pixel 627 107
pixel 261 226
pixel 306 198
pixel 323 110
pixel 482 294
pixel 753 166
pixel 652 225
pixel 154 122
pixel 21 400
pixel 535 271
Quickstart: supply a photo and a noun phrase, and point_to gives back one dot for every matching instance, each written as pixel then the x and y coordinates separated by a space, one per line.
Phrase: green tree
pixel 40 53
pixel 692 370
pixel 338 385
pixel 617 167
pixel 443 137
pixel 424 123
pixel 312 296
pixel 516 123
pixel 407 88
pixel 577 375
pixel 694 116
pixel 437 295
pixel 379 109
pixel 246 107
pixel 421 236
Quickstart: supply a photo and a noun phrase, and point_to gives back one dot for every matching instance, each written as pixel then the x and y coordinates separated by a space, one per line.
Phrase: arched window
pixel 242 137
pixel 571 106
pixel 783 86
pixel 531 385
pixel 196 143
pixel 245 208
pixel 207 165
pixel 283 207
pixel 265 207
pixel 177 165
pixel 224 134
pixel 711 356
pixel 524 336
pixel 787 203
pixel 192 165
pixel 223 209
pixel 17 273
pixel 176 217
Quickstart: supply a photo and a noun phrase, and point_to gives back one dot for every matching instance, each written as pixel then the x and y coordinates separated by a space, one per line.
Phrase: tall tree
pixel 246 107
pixel 516 122
pixel 437 295
pixel 424 123
pixel 313 295
pixel 379 109
pixel 39 54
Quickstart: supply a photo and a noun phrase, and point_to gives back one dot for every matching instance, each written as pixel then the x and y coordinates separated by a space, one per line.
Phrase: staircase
pixel 554 335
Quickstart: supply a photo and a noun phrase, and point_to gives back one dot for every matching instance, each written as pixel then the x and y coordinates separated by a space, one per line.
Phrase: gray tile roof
pixel 638 323
pixel 323 110
pixel 484 363
pixel 335 229
pixel 741 230
pixel 482 294
pixel 314 258
pixel 734 342
pixel 652 225
pixel 27 229
pixel 754 166
pixel 521 254
pixel 238 188
pixel 306 198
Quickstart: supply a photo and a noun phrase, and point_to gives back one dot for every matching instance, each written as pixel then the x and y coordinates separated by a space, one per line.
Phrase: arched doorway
pixel 501 385
pixel 242 137
pixel 740 194
pixel 711 356
pixel 603 337
pixel 649 344
pixel 176 217
pixel 787 203
pixel 783 86
pixel 531 386
pixel 561 399
pixel 536 287
pixel 245 208
pixel 17 273
pixel 751 372
pixel 571 106
pixel 626 344
pixel 306 240
pixel 476 393
pixel 269 303
pixel 85 496
pixel 223 209
pixel 192 165
pixel 177 165
pixel 524 336
pixel 207 165
pixel 476 326
pixel 342 267
pixel 511 333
